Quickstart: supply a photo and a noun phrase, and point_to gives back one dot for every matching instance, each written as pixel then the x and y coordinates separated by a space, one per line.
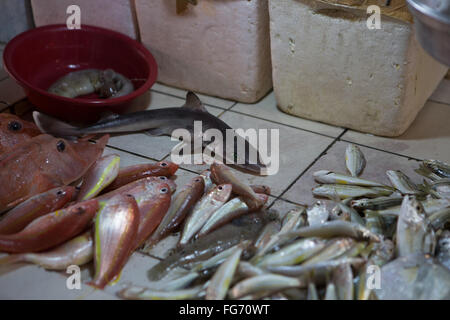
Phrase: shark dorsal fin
pixel 193 102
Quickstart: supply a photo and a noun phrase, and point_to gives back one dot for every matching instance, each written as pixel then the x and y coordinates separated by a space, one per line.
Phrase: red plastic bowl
pixel 39 57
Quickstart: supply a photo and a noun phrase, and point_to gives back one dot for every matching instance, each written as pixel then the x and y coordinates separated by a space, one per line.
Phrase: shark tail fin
pixel 54 126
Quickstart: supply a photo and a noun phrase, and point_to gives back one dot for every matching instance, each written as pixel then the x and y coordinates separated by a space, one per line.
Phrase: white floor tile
pixel 427 138
pixel 442 93
pixel 297 149
pixel 267 109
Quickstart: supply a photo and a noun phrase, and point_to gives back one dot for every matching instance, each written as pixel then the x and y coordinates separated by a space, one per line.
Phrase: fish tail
pixel 54 126
pixel 12 259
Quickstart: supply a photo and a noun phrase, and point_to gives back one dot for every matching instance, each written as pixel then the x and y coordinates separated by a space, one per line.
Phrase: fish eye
pixel 14 126
pixel 197 180
pixel 163 164
pixel 163 190
pixel 60 146
pixel 163 178
pixel 220 188
pixel 59 193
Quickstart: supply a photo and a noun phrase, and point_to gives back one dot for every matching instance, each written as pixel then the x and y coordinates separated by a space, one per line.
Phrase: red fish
pixel 44 163
pixel 154 202
pixel 139 186
pixel 116 227
pixel 19 217
pixel 15 131
pixel 184 201
pixel 129 174
pixel 51 229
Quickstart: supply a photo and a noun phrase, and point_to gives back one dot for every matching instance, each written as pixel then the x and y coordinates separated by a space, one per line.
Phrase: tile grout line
pixel 132 153
pixel 387 151
pixel 440 102
pixel 308 167
pixel 286 125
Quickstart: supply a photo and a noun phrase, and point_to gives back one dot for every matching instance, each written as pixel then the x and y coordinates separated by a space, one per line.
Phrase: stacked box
pixel 329 66
pixel 220 48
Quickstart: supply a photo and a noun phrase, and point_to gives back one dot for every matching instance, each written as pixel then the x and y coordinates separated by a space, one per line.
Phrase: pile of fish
pixel 377 242
pixel 63 203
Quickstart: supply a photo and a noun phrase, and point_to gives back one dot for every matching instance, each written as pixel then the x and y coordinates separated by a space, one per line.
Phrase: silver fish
pixel 401 182
pixel 221 280
pixel 294 253
pixel 206 206
pixel 266 282
pixel 158 122
pixel 330 292
pixel 343 281
pixel 414 231
pixel 317 272
pixel 334 228
pixel 229 211
pixel 334 249
pixel 347 191
pixel 440 168
pixel 354 160
pixel 376 203
pixel 141 293
pixel 317 214
pixel 326 176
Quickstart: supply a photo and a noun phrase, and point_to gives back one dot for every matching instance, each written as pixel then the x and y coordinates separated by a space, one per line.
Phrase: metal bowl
pixel 432 22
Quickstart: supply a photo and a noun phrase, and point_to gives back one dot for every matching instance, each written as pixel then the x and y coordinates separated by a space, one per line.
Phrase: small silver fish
pixel 317 214
pixel 294 253
pixel 347 191
pixel 326 176
pixel 140 293
pixel 414 231
pixel 204 209
pixel 221 280
pixel 266 282
pixel 401 182
pixel 354 160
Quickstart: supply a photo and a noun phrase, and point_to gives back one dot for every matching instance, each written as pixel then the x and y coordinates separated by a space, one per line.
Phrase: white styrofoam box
pixel 117 15
pixel 15 17
pixel 328 66
pixel 220 48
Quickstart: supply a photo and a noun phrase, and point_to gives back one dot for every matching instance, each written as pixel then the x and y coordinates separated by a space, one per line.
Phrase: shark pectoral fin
pixel 159 132
pixel 193 102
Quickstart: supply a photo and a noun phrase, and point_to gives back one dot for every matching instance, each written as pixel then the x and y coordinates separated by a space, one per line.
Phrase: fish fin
pixel 108 116
pixel 54 126
pixel 159 131
pixel 193 102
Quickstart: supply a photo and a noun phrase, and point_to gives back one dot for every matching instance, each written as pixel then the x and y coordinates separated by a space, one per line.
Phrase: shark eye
pixel 14 126
pixel 163 178
pixel 163 164
pixel 60 146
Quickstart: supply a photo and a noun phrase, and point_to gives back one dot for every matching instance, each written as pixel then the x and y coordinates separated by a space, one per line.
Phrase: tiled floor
pixel 305 146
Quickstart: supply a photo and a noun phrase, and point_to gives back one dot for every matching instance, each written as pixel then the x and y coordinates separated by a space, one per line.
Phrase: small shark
pixel 157 122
